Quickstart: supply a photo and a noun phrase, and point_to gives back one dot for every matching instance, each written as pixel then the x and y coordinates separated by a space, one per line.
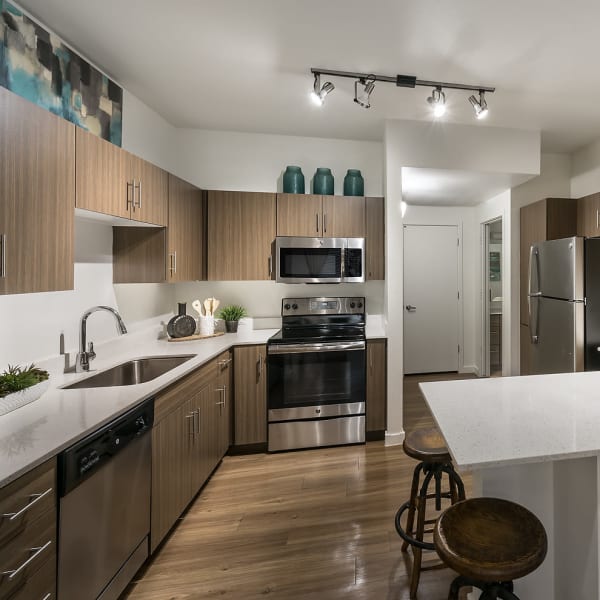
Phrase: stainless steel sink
pixel 132 372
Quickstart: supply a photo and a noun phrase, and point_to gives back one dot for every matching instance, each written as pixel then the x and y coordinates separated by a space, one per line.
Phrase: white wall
pixel 255 162
pixel 554 181
pixel 585 171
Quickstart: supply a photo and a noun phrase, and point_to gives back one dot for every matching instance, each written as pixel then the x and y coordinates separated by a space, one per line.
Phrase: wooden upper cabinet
pixel 309 215
pixel 150 191
pixel 37 196
pixel 344 216
pixel 241 230
pixel 114 182
pixel 588 216
pixel 101 176
pixel 299 215
pixel 375 238
pixel 548 219
pixel 185 232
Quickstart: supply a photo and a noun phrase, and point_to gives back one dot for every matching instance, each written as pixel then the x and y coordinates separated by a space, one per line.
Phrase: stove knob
pixel 286 306
pixel 352 305
pixel 294 306
pixel 360 305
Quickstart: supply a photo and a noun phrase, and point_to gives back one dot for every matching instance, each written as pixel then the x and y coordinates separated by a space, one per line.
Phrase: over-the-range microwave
pixel 319 260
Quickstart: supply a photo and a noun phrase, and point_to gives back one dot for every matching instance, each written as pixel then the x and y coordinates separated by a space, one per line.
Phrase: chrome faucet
pixel 85 356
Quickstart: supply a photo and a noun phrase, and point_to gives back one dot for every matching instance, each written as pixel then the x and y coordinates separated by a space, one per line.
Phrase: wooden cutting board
pixel 189 338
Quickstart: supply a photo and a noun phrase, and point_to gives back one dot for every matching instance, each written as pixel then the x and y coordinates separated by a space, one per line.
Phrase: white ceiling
pixel 244 66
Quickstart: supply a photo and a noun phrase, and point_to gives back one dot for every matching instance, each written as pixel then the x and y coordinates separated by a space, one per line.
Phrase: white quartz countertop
pixel 514 420
pixel 33 433
pixel 36 432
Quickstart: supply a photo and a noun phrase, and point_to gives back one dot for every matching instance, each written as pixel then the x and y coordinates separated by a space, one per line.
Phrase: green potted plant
pixel 231 315
pixel 20 386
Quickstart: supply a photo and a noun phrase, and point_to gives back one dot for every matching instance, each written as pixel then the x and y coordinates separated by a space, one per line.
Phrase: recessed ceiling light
pixel 437 100
pixel 363 97
pixel 318 94
pixel 479 106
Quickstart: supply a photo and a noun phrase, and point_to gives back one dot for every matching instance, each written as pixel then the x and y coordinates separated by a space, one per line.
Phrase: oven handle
pixel 322 347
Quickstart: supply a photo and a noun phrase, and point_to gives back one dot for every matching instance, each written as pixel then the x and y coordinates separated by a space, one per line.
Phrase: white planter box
pixel 23 397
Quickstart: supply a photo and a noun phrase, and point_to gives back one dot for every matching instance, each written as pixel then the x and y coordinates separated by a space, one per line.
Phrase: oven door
pixel 319 380
pixel 309 260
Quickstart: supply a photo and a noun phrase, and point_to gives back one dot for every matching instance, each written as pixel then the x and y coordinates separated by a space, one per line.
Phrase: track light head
pixel 318 94
pixel 479 106
pixel 437 100
pixel 363 97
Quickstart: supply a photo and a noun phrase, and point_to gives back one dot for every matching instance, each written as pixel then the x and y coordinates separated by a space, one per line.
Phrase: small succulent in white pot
pixel 20 386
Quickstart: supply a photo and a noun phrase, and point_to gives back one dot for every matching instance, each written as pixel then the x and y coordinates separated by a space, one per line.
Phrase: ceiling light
pixel 479 106
pixel 367 81
pixel 318 94
pixel 437 100
pixel 363 98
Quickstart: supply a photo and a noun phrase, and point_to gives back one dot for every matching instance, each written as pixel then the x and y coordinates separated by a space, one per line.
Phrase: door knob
pixel 410 308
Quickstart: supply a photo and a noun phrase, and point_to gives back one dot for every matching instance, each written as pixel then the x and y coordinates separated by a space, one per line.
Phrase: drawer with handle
pixel 26 554
pixel 40 586
pixel 23 501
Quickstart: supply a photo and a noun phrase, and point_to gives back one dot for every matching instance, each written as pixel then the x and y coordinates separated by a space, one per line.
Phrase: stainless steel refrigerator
pixel 564 305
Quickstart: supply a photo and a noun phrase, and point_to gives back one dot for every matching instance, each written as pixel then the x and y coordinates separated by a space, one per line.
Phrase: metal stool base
pixel 496 590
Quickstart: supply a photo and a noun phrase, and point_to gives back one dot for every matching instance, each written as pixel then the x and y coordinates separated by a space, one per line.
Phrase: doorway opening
pixel 492 298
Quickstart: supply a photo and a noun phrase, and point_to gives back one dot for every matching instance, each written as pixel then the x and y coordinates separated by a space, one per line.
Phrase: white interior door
pixel 430 298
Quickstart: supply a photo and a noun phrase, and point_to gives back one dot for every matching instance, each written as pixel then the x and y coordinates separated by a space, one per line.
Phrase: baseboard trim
pixel 394 439
pixel 474 369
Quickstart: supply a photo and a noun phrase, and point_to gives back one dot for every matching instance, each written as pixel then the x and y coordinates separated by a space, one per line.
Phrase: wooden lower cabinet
pixel 187 443
pixel 376 388
pixel 33 496
pixel 250 381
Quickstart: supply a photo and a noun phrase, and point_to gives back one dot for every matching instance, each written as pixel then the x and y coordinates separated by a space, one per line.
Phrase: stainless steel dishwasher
pixel 104 510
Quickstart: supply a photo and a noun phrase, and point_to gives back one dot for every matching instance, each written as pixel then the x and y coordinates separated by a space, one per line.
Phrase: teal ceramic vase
pixel 293 180
pixel 323 182
pixel 354 184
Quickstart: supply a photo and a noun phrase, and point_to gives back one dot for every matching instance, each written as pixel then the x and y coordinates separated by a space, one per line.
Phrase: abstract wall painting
pixel 37 65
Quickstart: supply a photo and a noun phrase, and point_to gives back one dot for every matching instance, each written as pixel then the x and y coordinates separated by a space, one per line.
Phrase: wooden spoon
pixel 207 307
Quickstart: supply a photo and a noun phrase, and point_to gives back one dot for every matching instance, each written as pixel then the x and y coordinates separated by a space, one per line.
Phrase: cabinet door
pixel 375 242
pixel 185 232
pixel 224 398
pixel 533 229
pixel 588 215
pixel 249 368
pixel 525 349
pixel 101 176
pixel 299 215
pixel 37 198
pixel 151 191
pixel 376 385
pixel 241 229
pixel 172 441
pixel 343 216
pixel 206 435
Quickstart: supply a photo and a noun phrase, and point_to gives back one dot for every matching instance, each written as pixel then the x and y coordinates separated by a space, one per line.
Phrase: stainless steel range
pixel 316 373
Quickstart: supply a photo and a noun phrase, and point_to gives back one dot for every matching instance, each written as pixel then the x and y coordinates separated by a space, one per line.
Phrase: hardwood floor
pixel 315 524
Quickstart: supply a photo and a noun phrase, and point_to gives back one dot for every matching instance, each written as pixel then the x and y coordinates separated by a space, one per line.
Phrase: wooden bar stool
pixel 489 542
pixel 428 447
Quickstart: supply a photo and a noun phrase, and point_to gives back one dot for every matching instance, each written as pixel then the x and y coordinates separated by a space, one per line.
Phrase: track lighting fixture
pixel 318 94
pixel 363 97
pixel 437 100
pixel 479 106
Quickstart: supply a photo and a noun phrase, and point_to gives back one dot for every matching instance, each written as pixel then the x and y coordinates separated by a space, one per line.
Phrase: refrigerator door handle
pixel 534 252
pixel 534 318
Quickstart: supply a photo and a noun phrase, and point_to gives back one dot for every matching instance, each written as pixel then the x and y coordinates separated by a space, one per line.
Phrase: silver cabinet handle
pixel 224 363
pixel 410 308
pixel 259 366
pixel 270 266
pixel 196 414
pixel 47 596
pixel 325 223
pixel 36 552
pixel 317 217
pixel 131 201
pixel 139 194
pixel 3 252
pixel 597 217
pixel 175 261
pixel 35 499
pixel 192 427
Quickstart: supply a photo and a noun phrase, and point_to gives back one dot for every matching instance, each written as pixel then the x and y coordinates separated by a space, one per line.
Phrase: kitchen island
pixel 534 440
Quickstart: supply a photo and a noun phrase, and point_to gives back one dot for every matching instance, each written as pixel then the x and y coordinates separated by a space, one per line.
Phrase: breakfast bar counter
pixel 534 440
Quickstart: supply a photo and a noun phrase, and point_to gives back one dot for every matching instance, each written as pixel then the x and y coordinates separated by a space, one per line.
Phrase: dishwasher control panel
pixel 80 461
